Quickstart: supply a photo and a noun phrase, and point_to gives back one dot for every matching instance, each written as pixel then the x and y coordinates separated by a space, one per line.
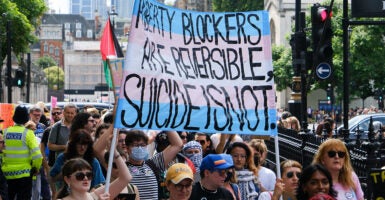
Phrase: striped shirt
pixel 143 176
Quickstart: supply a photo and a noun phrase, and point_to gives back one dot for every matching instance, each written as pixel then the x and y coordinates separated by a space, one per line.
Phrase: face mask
pixel 139 153
pixel 195 158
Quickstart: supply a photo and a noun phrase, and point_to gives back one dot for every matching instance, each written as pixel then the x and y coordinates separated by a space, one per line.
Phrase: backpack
pixel 52 154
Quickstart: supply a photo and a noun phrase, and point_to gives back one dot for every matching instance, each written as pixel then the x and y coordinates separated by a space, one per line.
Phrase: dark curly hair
pixel 80 136
pixel 307 173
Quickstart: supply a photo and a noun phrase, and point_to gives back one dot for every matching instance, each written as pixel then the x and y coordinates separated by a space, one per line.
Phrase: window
pixel 78 34
pixel 57 50
pixel 78 25
pixel 51 49
pixel 67 25
pixel 89 33
pixel 45 47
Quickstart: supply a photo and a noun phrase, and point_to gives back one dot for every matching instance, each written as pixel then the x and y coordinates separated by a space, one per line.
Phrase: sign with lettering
pixel 368 8
pixel 377 178
pixel 197 71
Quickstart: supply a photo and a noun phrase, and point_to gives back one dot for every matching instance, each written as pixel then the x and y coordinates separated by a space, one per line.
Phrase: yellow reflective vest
pixel 21 153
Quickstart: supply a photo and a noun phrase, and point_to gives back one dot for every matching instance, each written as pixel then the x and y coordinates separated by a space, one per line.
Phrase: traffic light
pixel 330 95
pixel 322 34
pixel 19 78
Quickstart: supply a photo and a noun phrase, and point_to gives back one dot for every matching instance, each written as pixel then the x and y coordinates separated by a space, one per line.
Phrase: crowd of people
pixel 65 155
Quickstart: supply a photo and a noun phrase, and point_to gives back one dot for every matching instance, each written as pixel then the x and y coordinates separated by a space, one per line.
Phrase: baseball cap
pixel 178 172
pixel 216 161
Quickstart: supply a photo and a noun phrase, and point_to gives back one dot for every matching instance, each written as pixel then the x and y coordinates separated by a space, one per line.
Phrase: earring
pixel 68 189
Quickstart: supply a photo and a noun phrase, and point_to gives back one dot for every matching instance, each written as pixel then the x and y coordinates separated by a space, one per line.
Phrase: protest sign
pixel 197 71
pixel 377 179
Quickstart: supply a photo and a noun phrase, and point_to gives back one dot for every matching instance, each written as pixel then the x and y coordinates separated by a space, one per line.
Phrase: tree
pixel 365 64
pixel 45 62
pixel 23 19
pixel 237 6
pixel 55 76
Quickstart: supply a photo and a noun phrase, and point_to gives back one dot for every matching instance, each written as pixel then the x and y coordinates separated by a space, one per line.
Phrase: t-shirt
pixel 267 178
pixel 59 139
pixel 199 194
pixel 97 178
pixel 143 176
pixel 349 193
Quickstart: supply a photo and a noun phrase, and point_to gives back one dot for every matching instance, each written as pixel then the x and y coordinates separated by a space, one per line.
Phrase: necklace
pixel 206 190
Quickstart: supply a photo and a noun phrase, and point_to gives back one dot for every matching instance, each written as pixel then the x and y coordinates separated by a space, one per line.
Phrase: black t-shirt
pixel 199 194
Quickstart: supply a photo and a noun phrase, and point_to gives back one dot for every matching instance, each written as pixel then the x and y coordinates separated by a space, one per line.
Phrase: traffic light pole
pixel 9 62
pixel 298 101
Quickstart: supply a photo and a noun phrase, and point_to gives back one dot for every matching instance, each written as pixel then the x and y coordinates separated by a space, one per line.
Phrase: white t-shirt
pixel 267 178
pixel 215 138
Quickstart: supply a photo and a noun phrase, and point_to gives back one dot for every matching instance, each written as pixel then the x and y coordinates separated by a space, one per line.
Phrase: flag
pixel 109 48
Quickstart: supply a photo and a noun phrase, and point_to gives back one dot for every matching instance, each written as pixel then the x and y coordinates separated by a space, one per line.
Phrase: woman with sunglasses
pixel 77 175
pixel 287 185
pixel 334 155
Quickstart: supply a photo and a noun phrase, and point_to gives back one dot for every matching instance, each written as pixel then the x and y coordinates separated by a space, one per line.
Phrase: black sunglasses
pixel 56 113
pixel 202 142
pixel 80 176
pixel 291 174
pixel 340 154
pixel 183 137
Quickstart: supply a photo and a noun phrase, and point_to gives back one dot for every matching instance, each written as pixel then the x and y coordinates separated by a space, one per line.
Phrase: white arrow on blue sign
pixel 323 70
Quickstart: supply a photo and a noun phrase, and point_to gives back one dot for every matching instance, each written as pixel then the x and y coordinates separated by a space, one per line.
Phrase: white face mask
pixel 139 153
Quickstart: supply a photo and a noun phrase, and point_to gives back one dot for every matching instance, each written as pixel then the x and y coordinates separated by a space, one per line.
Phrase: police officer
pixel 22 157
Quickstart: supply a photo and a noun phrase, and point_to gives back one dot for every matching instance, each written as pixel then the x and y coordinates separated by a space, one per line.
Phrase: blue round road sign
pixel 323 71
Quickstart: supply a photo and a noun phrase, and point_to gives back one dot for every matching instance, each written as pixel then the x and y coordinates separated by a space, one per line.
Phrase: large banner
pixel 198 71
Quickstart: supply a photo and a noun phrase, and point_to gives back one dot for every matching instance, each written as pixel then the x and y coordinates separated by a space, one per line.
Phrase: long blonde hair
pixel 345 176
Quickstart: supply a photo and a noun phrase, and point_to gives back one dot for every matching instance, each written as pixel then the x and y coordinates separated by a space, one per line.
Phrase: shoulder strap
pixel 235 189
pixel 130 189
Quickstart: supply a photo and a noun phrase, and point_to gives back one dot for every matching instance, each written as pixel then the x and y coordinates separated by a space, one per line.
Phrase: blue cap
pixel 216 161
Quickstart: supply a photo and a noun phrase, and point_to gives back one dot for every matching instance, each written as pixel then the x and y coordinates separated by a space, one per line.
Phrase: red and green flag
pixel 110 49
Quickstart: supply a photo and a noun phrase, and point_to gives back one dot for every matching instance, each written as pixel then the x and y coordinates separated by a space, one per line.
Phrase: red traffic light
pixel 323 13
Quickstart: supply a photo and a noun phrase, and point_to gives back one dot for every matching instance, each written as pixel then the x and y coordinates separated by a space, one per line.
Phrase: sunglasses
pixel 80 176
pixel 202 142
pixel 183 137
pixel 291 174
pixel 56 113
pixel 340 154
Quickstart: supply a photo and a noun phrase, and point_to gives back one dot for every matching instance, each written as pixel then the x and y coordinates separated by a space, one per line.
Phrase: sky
pixel 62 6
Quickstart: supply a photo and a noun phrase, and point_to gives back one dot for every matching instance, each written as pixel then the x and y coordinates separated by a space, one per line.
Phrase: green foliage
pixel 23 19
pixel 365 64
pixel 55 77
pixel 283 70
pixel 237 6
pixel 45 62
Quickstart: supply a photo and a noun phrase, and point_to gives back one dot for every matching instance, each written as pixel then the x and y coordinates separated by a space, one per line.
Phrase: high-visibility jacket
pixel 21 153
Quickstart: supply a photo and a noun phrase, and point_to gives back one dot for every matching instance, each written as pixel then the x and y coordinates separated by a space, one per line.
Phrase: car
pixel 360 125
pixel 81 105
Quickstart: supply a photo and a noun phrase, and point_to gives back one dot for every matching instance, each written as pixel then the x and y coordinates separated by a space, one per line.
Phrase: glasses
pixel 221 172
pixel 56 113
pixel 80 176
pixel 183 137
pixel 139 145
pixel 340 154
pixel 291 174
pixel 181 186
pixel 202 142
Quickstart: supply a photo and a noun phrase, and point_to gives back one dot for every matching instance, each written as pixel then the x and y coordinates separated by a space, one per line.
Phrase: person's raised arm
pixel 101 144
pixel 121 182
pixel 174 148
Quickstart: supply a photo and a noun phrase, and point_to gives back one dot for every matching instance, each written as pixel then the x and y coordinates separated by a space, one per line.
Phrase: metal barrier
pixel 364 155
